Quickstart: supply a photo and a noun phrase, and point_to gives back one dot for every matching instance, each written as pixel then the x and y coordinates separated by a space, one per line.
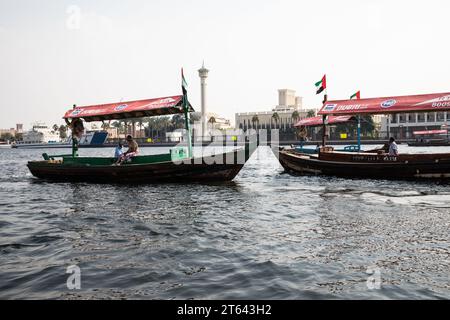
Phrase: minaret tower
pixel 203 74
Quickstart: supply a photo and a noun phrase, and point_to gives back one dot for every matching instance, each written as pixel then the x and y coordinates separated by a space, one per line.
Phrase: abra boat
pixel 430 138
pixel 373 164
pixel 91 139
pixel 178 165
pixel 317 122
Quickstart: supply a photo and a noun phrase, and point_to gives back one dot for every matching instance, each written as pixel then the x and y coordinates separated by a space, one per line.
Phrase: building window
pixel 421 117
pixel 394 118
pixel 441 116
pixel 430 117
pixel 411 118
pixel 402 118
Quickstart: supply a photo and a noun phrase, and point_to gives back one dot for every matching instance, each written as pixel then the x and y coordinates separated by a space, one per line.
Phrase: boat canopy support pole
pixel 74 147
pixel 188 125
pixel 359 131
pixel 324 122
pixel 324 129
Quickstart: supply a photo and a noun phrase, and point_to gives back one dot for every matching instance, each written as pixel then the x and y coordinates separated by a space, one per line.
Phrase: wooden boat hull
pixel 409 167
pixel 429 144
pixel 191 170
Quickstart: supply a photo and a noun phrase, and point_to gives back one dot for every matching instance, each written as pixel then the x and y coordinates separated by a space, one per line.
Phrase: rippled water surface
pixel 267 235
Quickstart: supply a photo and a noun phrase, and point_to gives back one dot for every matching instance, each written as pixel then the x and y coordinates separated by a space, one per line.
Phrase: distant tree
pixel 255 120
pixel 6 136
pixel 276 118
pixel 177 121
pixel 125 126
pixel 133 127
pixel 194 117
pixel 105 125
pixel 55 128
pixel 18 137
pixel 295 117
pixel 367 125
pixel 118 125
pixel 212 121
pixel 311 113
pixel 140 124
pixel 62 131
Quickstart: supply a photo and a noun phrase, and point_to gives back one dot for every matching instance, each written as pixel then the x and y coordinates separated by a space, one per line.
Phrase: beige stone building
pixel 288 103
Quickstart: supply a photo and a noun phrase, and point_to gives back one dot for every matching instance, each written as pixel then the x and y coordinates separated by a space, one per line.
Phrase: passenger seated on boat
pixel 118 152
pixel 393 148
pixel 133 150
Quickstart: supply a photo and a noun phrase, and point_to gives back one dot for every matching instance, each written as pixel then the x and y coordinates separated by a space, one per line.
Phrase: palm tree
pixel 105 125
pixel 295 116
pixel 311 113
pixel 195 117
pixel 255 119
pixel 212 121
pixel 276 118
pixel 140 123
pixel 178 121
pixel 55 128
pixel 125 126
pixel 117 125
pixel 62 131
pixel 133 128
pixel 150 125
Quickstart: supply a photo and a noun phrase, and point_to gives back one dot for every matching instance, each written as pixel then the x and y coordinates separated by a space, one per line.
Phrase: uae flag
pixel 183 83
pixel 321 85
pixel 356 95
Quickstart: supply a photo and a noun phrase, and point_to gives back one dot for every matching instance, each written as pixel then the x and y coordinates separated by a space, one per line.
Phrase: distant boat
pixel 4 145
pixel 430 138
pixel 89 139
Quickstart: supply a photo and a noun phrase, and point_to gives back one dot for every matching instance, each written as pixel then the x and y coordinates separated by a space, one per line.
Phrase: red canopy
pixel 429 132
pixel 318 121
pixel 129 109
pixel 417 103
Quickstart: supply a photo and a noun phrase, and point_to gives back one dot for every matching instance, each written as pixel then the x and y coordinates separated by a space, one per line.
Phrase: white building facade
pixel 288 103
pixel 403 125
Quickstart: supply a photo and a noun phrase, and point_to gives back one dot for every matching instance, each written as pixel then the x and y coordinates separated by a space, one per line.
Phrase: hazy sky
pixel 50 59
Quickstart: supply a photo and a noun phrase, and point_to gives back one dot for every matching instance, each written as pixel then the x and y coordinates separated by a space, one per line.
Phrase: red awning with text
pixel 417 103
pixel 129 109
pixel 429 132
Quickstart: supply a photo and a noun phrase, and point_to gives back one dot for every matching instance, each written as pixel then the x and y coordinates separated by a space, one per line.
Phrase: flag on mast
pixel 357 95
pixel 183 83
pixel 321 85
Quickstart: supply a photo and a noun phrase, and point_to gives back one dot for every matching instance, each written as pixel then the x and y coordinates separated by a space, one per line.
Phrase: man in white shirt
pixel 393 148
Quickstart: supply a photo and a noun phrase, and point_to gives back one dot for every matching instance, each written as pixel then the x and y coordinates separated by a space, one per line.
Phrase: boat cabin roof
pixel 416 103
pixel 129 109
pixel 429 132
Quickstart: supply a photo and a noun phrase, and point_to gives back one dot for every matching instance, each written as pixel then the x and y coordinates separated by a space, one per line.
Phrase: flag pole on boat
pixel 186 113
pixel 357 95
pixel 320 87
